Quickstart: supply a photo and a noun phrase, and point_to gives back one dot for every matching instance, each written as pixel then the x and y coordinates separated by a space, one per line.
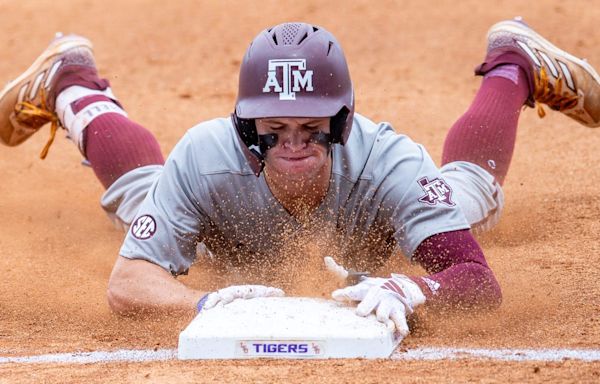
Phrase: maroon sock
pixel 486 133
pixel 115 145
pixel 81 75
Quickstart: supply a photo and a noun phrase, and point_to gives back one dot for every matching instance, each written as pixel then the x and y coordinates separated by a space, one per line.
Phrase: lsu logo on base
pixel 143 227
pixel 271 348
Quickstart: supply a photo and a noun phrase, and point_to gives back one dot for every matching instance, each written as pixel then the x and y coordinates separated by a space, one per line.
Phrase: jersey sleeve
pixel 415 199
pixel 168 225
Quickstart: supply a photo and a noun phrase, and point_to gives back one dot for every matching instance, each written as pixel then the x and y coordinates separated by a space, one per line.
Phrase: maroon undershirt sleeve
pixel 459 275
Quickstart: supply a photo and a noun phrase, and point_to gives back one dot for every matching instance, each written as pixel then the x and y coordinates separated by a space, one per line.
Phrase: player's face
pixel 295 155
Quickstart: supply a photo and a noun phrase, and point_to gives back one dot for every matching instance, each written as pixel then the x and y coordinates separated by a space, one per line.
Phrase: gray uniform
pixel 385 193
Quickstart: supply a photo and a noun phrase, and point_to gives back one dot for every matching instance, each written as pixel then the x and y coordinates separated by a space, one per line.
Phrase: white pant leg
pixel 122 199
pixel 476 192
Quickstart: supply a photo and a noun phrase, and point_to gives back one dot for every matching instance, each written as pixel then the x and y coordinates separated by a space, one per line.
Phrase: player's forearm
pixel 460 277
pixel 138 286
pixel 463 286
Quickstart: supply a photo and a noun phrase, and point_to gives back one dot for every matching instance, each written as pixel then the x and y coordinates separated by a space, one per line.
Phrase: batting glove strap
pixel 397 291
pixel 411 290
pixel 201 302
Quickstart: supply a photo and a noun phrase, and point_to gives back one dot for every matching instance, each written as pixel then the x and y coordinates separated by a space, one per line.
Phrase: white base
pixel 285 327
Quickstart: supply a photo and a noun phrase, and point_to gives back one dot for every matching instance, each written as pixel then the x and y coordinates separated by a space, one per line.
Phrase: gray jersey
pixel 385 193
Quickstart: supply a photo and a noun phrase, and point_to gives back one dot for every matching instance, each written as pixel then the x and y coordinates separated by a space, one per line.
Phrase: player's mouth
pixel 295 158
pixel 298 163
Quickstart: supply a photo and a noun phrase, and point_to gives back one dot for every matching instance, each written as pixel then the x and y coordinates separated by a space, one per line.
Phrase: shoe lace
pixel 37 116
pixel 552 95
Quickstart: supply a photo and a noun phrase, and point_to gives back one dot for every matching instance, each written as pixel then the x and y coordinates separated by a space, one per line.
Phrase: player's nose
pixel 296 141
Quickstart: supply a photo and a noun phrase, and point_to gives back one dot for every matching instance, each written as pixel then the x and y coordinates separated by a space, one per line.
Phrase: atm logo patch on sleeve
pixel 436 191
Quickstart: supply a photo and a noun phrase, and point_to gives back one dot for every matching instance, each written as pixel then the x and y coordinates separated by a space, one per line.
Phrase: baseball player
pixel 295 162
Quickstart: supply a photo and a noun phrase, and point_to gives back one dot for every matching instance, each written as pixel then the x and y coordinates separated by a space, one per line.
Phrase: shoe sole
pixel 56 47
pixel 519 28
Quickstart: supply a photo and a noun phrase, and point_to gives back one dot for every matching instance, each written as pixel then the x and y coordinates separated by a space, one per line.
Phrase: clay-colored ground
pixel 175 63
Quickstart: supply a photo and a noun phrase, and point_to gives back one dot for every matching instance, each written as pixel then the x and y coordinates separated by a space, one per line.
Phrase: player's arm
pixel 161 243
pixel 432 229
pixel 417 202
pixel 460 279
pixel 459 274
pixel 138 286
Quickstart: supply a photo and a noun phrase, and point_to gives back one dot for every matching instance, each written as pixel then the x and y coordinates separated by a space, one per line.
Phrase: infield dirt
pixel 174 64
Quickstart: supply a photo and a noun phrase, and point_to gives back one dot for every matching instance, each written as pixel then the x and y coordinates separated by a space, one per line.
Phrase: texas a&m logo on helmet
pixel 294 78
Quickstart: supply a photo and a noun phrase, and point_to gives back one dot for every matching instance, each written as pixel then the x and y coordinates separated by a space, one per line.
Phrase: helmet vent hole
pixel 315 29
pixel 329 48
pixel 303 38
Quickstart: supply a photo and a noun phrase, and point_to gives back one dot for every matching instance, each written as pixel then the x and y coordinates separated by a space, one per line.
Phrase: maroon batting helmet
pixel 293 70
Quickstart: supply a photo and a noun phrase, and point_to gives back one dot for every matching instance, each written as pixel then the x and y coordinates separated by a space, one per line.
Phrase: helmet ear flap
pixel 246 129
pixel 339 126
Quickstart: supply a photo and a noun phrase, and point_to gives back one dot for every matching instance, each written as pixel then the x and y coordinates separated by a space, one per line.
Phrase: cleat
pixel 558 79
pixel 27 103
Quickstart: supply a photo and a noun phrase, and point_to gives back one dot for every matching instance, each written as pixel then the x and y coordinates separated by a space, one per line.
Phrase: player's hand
pixel 227 295
pixel 391 299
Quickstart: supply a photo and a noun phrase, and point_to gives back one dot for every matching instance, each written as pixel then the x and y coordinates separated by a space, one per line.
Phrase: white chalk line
pixel 434 353
pixel 121 355
pixel 423 354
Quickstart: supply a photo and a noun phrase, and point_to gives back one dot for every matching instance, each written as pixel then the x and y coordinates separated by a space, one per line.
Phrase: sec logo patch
pixel 143 227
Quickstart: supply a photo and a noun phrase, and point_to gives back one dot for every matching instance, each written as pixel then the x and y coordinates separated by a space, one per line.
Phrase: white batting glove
pixel 390 299
pixel 227 295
